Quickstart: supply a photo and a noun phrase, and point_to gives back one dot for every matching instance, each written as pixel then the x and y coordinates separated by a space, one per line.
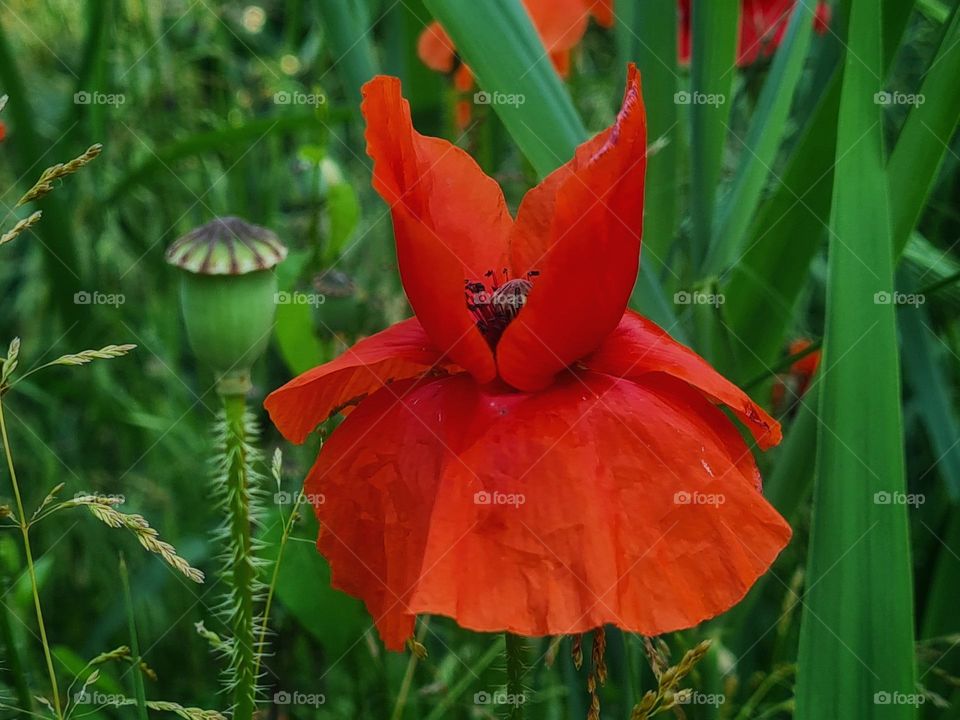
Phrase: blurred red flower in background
pixel 561 25
pixel 762 26
pixel 526 454
pixel 797 381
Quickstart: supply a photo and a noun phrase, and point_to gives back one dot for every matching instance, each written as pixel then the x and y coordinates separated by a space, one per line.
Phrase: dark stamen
pixel 496 305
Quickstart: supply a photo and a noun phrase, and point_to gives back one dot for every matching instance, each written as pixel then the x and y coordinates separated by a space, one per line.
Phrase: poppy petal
pixel 450 221
pixel 603 11
pixel 561 62
pixel 435 48
pixel 639 346
pixel 598 501
pixel 399 352
pixel 561 24
pixel 580 229
pixel 463 78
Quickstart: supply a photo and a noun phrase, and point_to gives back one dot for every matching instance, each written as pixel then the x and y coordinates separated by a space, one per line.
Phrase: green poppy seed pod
pixel 228 295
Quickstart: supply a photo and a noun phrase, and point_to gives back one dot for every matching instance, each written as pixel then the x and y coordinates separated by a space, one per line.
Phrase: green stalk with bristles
pixel 241 569
pixel 516 669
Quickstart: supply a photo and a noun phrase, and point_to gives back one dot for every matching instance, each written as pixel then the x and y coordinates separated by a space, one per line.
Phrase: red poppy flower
pixel 799 377
pixel 561 25
pixel 532 457
pixel 3 131
pixel 762 27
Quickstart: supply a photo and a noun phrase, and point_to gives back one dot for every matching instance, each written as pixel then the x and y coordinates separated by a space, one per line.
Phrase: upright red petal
pixel 639 346
pixel 580 230
pixel 450 220
pixel 596 501
pixel 401 351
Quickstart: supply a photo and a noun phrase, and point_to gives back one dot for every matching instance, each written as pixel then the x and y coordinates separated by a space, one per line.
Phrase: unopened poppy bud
pixel 228 295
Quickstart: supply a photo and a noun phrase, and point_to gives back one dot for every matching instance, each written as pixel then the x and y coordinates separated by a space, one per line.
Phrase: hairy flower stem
pixel 243 573
pixel 516 669
pixel 25 531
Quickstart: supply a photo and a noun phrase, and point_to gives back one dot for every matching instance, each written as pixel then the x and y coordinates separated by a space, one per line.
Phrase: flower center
pixel 494 305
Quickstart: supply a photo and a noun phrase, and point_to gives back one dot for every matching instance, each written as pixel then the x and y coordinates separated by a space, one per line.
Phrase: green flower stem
pixel 139 690
pixel 24 698
pixel 25 531
pixel 241 542
pixel 516 668
pixel 271 591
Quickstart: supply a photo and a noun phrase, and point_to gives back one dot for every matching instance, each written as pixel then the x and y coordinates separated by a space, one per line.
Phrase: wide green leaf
pixel 647 35
pixel 856 657
pixel 518 79
pixel 347 32
pixel 925 137
pixel 714 32
pixel 759 149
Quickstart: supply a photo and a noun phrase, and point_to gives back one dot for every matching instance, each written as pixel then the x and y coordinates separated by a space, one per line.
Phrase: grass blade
pixel 789 231
pixel 926 377
pixel 347 29
pixel 545 124
pixel 647 34
pixel 139 690
pixel 714 33
pixel 855 655
pixel 760 147
pixel 923 142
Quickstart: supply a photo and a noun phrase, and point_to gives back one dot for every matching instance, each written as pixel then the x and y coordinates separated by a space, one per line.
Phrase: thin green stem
pixel 516 668
pixel 13 658
pixel 242 569
pixel 134 642
pixel 287 528
pixel 407 682
pixel 25 531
